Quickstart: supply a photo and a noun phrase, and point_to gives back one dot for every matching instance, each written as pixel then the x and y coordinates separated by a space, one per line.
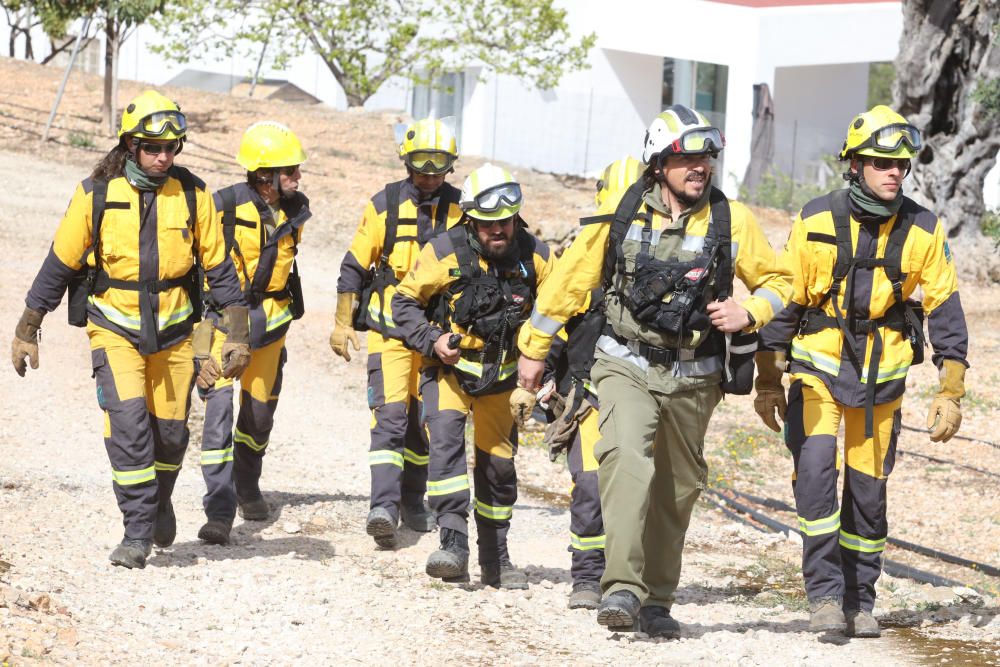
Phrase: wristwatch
pixel 752 320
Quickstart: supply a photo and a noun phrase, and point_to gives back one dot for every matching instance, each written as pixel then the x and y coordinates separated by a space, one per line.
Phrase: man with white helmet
pixel 665 253
pixel 262 220
pixel 856 256
pixel 397 222
pixel 461 307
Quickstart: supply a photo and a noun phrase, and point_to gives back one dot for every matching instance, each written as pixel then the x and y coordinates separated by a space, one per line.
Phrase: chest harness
pixel 905 316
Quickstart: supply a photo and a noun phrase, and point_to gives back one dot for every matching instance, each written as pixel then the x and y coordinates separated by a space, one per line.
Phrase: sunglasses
pixel 887 163
pixel 490 224
pixel 290 170
pixel 149 148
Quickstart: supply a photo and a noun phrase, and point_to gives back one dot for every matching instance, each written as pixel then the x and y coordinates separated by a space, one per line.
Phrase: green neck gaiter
pixel 869 203
pixel 140 180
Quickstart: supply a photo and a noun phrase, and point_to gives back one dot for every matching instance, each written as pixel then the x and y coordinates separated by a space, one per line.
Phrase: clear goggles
pixel 497 197
pixel 156 124
pixel 891 137
pixel 697 141
pixel 429 162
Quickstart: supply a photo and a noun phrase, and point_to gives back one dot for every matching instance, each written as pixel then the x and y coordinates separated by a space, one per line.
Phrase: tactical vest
pixel 382 274
pixel 95 280
pixel 292 290
pixel 490 305
pixel 905 316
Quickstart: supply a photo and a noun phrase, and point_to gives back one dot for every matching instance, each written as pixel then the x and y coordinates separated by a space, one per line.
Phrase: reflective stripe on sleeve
pixel 771 297
pixel 545 324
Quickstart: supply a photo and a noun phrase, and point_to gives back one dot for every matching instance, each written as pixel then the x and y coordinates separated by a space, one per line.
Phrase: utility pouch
pixel 737 372
pixel 914 329
pixel 297 307
pixel 194 290
pixel 582 341
pixel 80 287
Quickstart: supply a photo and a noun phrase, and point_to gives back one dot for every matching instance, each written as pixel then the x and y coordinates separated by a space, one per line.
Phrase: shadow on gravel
pixel 697 630
pixel 188 554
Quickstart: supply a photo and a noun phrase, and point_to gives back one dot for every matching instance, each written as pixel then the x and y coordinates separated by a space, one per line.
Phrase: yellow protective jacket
pixel 434 273
pixel 264 258
pixel 146 237
pixel 926 261
pixel 579 271
pixel 419 219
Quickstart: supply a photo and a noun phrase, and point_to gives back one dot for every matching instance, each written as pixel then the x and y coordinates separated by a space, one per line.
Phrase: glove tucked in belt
pixel 945 415
pixel 236 349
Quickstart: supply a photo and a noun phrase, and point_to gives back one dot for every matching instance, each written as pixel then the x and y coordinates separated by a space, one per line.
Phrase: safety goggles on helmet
pixel 891 137
pixel 156 124
pixel 697 141
pixel 429 162
pixel 488 201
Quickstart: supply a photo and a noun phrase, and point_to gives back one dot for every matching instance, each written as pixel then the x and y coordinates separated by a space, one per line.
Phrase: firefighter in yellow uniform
pixel 461 306
pixel 127 249
pixel 856 256
pixel 262 221
pixel 665 253
pixel 572 411
pixel 397 222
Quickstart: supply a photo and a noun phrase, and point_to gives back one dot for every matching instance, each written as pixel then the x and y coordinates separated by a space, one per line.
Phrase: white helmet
pixel 680 130
pixel 490 193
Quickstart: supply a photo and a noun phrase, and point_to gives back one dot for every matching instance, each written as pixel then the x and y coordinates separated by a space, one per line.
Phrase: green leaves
pixel 365 42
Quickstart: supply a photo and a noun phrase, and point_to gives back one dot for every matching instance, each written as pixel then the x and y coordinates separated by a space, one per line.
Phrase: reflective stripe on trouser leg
pixel 217 454
pixel 586 524
pixel 446 409
pixel 260 386
pixel 811 424
pixel 864 527
pixel 169 376
pixel 495 438
pixel 647 491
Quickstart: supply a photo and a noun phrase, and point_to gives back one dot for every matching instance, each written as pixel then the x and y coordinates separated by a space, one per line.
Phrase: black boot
pixel 503 574
pixel 657 622
pixel 165 530
pixel 215 531
pixel 451 561
pixel 131 553
pixel 382 526
pixel 619 611
pixel 416 516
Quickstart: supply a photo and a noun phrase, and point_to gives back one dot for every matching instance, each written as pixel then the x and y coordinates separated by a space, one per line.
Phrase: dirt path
pixel 308 587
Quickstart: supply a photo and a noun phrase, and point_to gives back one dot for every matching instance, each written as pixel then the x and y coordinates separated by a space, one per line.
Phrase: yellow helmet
pixel 681 130
pixel 881 132
pixel 490 193
pixel 267 145
pixel 616 178
pixel 429 147
pixel 150 115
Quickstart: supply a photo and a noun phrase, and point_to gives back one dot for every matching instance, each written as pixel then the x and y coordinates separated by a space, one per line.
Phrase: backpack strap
pixel 391 220
pixel 526 247
pixel 468 266
pixel 721 230
pixel 449 195
pixel 614 260
pixel 98 204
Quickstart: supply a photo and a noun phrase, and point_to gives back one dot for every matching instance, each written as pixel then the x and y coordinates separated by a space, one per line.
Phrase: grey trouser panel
pixel 841 549
pixel 586 524
pixel 446 410
pixel 651 471
pixel 217 454
pixel 145 451
pixel 253 430
pixel 398 454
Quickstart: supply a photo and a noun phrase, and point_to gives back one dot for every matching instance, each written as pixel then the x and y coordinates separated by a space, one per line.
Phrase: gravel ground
pixel 309 586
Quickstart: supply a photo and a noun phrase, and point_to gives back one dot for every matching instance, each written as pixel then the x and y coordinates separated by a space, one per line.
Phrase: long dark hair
pixel 112 165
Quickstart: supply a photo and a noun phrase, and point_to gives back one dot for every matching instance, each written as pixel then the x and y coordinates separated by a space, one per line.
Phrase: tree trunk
pixel 949 48
pixel 110 40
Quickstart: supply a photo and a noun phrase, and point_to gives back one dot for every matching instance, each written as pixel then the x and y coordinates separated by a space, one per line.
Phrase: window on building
pixel 443 97
pixel 701 86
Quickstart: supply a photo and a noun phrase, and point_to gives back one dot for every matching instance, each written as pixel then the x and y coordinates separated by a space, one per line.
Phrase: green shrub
pixel 79 140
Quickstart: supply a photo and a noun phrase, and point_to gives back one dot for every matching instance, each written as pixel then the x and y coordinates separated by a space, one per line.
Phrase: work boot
pixel 656 621
pixel 382 527
pixel 826 615
pixel 862 624
pixel 585 595
pixel 451 561
pixel 502 574
pixel 131 553
pixel 254 510
pixel 215 531
pixel 416 516
pixel 166 525
pixel 619 611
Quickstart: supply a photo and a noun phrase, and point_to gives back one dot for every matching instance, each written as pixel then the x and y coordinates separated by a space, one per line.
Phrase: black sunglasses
pixel 149 148
pixel 887 163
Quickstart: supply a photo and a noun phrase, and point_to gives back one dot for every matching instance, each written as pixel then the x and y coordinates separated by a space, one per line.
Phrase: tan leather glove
pixel 770 398
pixel 522 402
pixel 208 369
pixel 236 349
pixel 945 415
pixel 25 343
pixel 343 329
